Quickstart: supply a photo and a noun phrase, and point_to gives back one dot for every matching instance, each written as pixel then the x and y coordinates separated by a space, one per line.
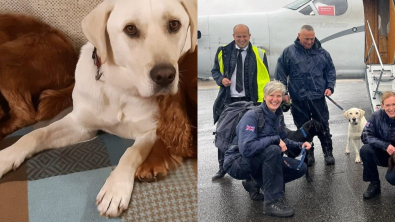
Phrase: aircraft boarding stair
pixel 380 64
pixel 377 85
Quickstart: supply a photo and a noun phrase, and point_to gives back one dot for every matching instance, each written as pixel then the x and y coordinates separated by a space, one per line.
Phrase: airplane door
pixel 204 61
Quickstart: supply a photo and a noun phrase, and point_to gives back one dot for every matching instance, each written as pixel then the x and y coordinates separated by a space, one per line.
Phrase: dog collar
pixel 303 132
pixel 97 62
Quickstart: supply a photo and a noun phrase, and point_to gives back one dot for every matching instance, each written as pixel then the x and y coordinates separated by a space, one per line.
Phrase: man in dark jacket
pixel 307 70
pixel 241 74
pixel 378 137
pixel 257 156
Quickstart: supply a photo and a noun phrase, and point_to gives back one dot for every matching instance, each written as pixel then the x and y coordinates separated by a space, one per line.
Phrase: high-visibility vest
pixel 262 74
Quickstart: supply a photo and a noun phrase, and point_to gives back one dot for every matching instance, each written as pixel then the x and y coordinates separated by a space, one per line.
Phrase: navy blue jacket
pixel 379 130
pixel 229 57
pixel 252 142
pixel 310 71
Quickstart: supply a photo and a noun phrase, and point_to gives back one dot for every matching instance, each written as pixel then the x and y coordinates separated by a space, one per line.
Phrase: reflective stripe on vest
pixel 262 73
pixel 221 63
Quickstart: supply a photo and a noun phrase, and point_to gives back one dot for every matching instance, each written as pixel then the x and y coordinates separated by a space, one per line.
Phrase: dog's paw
pixel 156 167
pixel 158 163
pixel 10 159
pixel 347 152
pixel 358 160
pixel 115 194
pixel 149 173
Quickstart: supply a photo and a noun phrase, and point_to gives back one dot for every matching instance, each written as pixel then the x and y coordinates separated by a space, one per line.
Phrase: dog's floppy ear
pixel 362 112
pixel 94 27
pixel 190 7
pixel 345 114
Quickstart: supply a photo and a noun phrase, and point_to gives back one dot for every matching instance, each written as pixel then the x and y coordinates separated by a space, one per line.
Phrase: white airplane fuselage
pixel 343 36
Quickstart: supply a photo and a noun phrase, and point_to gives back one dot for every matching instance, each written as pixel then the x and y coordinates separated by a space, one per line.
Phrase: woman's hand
pixel 307 145
pixel 390 149
pixel 283 146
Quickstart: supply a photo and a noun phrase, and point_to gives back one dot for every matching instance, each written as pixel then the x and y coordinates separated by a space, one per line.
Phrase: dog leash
pixel 303 154
pixel 334 102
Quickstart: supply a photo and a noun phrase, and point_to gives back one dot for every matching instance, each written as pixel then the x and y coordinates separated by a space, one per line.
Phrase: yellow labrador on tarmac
pixel 356 124
pixel 131 58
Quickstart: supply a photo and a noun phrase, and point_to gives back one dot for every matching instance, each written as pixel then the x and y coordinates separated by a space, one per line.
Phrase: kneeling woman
pixel 258 155
pixel 378 137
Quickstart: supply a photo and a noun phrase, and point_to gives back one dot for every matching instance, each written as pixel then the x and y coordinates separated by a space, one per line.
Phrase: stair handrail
pixel 375 46
pixel 378 55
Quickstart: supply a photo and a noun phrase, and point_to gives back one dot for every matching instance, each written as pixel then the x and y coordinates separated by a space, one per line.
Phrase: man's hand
pixel 283 146
pixel 307 145
pixel 226 82
pixel 390 149
pixel 327 92
pixel 286 98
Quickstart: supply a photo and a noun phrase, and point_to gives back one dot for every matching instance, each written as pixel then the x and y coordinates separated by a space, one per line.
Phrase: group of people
pixel 304 74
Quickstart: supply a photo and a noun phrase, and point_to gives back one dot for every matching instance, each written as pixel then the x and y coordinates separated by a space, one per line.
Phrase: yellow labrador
pixel 136 46
pixel 356 124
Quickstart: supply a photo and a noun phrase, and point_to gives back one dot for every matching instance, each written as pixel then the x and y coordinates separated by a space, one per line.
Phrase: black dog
pixel 308 130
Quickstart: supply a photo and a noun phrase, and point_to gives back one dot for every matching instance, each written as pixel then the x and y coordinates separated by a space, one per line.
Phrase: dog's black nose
pixel 163 74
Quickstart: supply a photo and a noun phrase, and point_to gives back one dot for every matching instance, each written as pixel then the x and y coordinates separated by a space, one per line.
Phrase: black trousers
pixel 267 168
pixel 371 158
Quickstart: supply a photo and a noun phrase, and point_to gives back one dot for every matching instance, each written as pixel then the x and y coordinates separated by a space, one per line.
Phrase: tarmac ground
pixel 336 191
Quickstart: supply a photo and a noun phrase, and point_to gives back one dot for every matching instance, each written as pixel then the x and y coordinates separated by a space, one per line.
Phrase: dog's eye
pixel 174 25
pixel 131 30
pixel 356 113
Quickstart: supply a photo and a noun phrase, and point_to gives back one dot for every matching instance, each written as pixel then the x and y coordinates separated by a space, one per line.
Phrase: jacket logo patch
pixel 250 128
pixel 367 124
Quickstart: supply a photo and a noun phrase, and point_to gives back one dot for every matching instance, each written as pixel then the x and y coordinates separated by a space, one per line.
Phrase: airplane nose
pixel 163 74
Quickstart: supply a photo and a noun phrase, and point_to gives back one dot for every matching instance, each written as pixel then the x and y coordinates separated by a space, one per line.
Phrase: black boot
pixel 310 156
pixel 329 159
pixel 373 190
pixel 328 156
pixel 278 208
pixel 253 189
pixel 221 173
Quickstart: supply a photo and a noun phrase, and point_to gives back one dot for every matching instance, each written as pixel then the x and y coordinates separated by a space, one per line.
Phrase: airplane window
pixel 331 7
pixel 296 4
pixel 307 10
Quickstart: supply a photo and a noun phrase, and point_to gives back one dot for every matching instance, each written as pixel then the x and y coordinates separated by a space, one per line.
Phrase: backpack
pixel 228 120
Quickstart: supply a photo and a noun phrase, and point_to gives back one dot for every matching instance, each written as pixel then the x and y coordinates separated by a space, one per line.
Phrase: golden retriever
pixel 131 59
pixel 177 125
pixel 37 64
